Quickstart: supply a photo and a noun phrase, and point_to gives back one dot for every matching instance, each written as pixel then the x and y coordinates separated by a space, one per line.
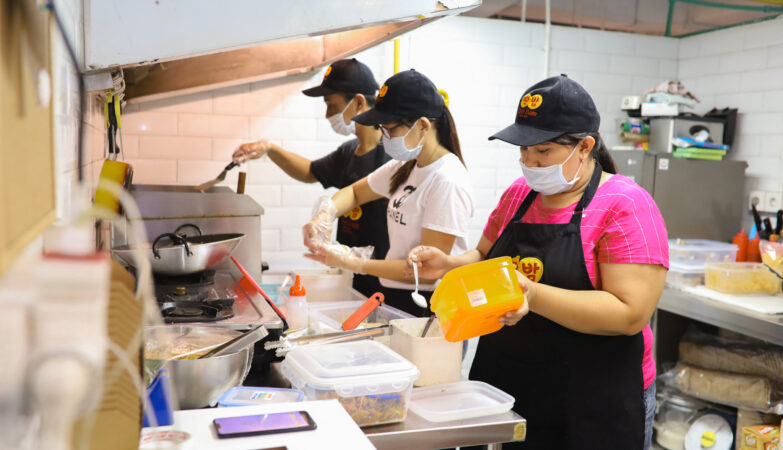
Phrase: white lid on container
pixel 684 267
pixel 700 245
pixel 360 362
pixel 460 400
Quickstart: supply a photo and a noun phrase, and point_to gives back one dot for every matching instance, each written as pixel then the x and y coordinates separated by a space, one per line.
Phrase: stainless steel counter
pixel 704 309
pixel 415 433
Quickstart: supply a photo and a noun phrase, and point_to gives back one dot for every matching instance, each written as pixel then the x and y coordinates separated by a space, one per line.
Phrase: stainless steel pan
pixel 173 254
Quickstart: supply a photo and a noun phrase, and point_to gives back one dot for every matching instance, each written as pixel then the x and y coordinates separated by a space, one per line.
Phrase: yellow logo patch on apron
pixel 354 214
pixel 530 267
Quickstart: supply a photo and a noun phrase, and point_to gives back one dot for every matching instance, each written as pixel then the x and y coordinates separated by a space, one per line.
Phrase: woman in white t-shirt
pixel 428 186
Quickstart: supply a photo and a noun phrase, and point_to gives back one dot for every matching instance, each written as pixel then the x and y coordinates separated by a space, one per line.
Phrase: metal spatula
pixel 222 176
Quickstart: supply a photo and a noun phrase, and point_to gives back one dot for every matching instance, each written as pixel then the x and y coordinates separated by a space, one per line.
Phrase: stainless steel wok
pixel 174 254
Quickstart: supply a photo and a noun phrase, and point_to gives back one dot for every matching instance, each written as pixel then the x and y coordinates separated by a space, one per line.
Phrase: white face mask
pixel 338 122
pixel 549 180
pixel 395 147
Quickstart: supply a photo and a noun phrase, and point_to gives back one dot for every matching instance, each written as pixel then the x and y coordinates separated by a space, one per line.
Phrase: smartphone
pixel 255 425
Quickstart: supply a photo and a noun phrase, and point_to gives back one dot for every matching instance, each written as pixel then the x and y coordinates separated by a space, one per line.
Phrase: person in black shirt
pixel 348 89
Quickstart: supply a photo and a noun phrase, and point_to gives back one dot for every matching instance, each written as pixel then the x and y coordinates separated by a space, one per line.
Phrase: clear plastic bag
pixel 772 256
pixel 732 389
pixel 730 355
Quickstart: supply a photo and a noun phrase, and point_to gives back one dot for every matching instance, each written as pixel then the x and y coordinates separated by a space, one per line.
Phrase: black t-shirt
pixel 366 224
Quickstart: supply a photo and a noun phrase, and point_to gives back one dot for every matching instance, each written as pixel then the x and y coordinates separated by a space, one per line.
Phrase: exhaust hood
pixel 173 47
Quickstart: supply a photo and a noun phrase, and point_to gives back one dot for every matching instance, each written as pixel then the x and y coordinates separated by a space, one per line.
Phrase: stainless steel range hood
pixel 173 47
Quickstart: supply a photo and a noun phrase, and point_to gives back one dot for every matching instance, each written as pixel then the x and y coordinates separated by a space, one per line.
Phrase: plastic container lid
pixel 684 267
pixel 457 401
pixel 346 365
pixel 700 245
pixel 248 395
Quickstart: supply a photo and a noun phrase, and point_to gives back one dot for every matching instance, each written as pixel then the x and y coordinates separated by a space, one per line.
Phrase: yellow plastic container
pixel 470 299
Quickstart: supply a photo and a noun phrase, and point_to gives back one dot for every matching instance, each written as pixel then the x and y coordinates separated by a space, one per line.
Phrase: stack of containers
pixel 688 257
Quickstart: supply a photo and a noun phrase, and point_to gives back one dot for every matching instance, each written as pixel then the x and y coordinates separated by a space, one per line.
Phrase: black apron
pixel 576 390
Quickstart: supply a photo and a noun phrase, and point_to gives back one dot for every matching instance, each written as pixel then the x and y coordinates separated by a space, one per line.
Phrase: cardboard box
pixel 760 437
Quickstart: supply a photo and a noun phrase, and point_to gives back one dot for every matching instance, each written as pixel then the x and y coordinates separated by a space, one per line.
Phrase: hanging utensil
pixel 417 298
pixel 221 176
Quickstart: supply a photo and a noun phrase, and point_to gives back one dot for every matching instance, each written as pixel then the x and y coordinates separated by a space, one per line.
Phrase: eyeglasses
pixel 387 131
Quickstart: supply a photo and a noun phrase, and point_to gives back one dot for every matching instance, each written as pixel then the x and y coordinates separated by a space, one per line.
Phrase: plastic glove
pixel 251 150
pixel 338 255
pixel 318 232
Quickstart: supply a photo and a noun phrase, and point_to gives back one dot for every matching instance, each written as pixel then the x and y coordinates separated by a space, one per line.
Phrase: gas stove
pixel 212 298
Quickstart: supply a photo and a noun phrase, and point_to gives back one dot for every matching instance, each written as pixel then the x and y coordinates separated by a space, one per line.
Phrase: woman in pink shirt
pixel 591 253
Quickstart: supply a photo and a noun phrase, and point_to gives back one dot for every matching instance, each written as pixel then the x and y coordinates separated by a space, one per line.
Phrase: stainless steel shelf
pixel 704 309
pixel 416 433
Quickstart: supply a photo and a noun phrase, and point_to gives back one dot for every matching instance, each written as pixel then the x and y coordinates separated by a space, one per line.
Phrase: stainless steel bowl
pixel 174 259
pixel 200 382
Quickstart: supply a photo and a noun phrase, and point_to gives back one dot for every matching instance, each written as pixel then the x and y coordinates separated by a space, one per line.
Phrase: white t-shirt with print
pixel 437 197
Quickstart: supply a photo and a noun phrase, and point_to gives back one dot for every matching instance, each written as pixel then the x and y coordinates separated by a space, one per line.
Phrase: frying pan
pixel 173 254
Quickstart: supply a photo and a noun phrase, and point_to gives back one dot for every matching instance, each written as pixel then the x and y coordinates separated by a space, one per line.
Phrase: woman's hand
pixel 432 262
pixel 318 232
pixel 251 150
pixel 529 289
pixel 338 255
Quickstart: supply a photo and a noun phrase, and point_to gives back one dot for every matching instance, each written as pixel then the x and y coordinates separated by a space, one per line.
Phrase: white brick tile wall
pixel 174 147
pixel 496 61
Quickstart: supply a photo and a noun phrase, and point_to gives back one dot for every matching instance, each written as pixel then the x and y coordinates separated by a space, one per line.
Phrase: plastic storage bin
pixel 248 395
pixel 458 401
pixel 685 275
pixel 697 252
pixel 438 360
pixel 372 382
pixel 322 285
pixel 470 299
pixel 332 315
pixel 741 278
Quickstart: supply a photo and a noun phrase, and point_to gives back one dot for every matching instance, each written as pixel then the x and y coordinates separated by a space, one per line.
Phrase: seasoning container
pixel 674 418
pixel 296 305
pixel 741 241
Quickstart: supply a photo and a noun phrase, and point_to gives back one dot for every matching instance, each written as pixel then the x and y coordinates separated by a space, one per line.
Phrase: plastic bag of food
pixel 729 355
pixel 772 255
pixel 727 388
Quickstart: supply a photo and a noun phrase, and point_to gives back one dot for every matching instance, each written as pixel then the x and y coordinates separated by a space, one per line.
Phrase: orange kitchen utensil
pixel 363 311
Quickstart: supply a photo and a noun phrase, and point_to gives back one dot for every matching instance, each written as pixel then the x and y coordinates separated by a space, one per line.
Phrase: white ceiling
pixel 636 16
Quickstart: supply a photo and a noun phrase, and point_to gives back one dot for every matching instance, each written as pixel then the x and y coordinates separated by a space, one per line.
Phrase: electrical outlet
pixel 757 198
pixel 773 201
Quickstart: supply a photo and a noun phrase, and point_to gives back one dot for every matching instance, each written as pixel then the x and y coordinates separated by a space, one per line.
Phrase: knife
pixel 767 228
pixel 756 218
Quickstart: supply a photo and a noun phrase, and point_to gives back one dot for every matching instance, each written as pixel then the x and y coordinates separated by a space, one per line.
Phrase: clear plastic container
pixel 675 415
pixel 332 315
pixel 438 360
pixel 372 382
pixel 248 396
pixel 685 274
pixel 458 401
pixel 741 278
pixel 697 252
pixel 470 299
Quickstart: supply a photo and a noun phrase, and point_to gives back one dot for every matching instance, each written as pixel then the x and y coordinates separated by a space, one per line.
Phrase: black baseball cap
pixel 406 94
pixel 346 75
pixel 548 109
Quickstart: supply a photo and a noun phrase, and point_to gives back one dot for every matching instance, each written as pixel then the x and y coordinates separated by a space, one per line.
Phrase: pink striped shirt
pixel 622 224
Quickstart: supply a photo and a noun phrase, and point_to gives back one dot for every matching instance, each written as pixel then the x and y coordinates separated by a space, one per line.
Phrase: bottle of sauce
pixel 296 306
pixel 741 241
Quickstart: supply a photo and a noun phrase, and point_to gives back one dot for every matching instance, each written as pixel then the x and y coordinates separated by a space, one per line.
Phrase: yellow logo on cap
pixel 383 90
pixel 531 101
pixel 530 267
pixel 328 71
pixel 535 101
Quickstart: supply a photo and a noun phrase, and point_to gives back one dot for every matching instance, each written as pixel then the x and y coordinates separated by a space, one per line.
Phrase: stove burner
pixel 189 311
pixel 198 279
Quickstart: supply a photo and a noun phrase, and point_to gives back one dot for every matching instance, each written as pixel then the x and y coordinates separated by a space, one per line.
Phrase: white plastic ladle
pixel 417 298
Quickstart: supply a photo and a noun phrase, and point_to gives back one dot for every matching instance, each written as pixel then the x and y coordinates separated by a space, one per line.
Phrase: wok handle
pixel 188 225
pixel 175 239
